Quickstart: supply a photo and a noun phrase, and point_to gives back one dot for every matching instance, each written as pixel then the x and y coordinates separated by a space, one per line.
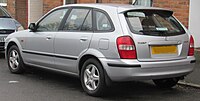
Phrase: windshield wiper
pixel 153 31
pixel 157 32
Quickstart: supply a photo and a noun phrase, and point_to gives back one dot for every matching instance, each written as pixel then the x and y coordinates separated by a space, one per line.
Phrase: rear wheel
pixel 14 59
pixel 166 83
pixel 92 77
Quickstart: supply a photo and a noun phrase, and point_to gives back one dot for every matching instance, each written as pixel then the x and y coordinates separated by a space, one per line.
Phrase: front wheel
pixel 166 83
pixel 92 77
pixel 14 59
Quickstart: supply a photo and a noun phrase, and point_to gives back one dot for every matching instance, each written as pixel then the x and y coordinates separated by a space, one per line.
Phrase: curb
pixel 189 84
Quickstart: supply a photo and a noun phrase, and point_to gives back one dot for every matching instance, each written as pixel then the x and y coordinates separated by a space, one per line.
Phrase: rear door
pixel 157 35
pixel 73 39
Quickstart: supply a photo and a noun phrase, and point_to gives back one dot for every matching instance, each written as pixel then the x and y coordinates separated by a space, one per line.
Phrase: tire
pixel 166 83
pixel 14 59
pixel 92 78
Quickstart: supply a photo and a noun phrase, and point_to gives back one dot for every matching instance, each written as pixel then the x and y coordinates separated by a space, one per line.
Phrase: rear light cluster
pixel 191 48
pixel 126 47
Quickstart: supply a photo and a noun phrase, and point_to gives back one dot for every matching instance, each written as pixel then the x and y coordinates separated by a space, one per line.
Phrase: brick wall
pixel 18 10
pixel 50 4
pixel 180 8
pixel 22 11
pixel 11 7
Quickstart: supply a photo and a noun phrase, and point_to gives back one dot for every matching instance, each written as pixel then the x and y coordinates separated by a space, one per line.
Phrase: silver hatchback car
pixel 104 43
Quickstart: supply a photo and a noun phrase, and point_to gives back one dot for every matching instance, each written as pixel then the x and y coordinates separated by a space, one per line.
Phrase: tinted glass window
pixel 3 14
pixel 75 19
pixel 157 23
pixel 52 21
pixel 87 25
pixel 102 22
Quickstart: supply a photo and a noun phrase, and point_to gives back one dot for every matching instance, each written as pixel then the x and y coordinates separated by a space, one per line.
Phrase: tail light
pixel 126 47
pixel 191 48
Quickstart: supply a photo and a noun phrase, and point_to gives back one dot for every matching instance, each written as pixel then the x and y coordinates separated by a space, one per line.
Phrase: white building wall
pixel 194 21
pixel 35 10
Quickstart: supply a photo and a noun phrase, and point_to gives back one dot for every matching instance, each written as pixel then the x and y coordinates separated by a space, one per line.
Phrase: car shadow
pixel 137 90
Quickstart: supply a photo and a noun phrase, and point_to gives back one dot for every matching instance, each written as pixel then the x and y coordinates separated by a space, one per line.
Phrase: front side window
pixel 75 19
pixel 155 23
pixel 52 21
pixel 102 22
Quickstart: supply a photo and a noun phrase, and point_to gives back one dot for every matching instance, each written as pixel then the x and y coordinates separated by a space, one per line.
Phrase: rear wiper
pixel 157 32
pixel 152 31
pixel 158 29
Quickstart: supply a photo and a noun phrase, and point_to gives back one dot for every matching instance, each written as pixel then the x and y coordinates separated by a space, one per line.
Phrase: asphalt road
pixel 40 85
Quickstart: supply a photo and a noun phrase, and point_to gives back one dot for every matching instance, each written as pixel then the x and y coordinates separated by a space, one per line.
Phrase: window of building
pixel 147 3
pixel 70 1
pixel 98 1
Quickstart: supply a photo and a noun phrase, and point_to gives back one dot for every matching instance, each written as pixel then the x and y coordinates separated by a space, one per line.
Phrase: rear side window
pixel 75 19
pixel 154 23
pixel 103 22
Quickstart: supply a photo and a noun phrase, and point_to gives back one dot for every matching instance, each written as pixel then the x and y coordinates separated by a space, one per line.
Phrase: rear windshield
pixel 153 22
pixel 3 13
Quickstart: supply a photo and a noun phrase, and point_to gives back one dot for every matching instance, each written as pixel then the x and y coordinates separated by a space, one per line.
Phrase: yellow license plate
pixel 164 49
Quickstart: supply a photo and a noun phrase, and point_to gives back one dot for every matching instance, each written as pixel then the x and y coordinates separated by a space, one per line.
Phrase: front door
pixel 39 48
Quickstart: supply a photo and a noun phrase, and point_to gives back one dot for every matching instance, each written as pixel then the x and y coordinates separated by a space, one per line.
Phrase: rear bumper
pixel 128 70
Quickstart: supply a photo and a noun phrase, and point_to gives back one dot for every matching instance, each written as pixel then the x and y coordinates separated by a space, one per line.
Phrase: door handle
pixel 84 39
pixel 49 37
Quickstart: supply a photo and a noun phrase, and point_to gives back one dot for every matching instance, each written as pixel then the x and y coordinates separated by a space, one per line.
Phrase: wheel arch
pixel 108 81
pixel 10 43
pixel 83 59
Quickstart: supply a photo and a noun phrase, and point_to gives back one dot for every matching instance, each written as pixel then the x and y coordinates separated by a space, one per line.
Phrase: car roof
pixel 109 6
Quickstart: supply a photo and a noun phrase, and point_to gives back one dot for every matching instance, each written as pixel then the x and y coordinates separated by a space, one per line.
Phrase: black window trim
pixel 95 23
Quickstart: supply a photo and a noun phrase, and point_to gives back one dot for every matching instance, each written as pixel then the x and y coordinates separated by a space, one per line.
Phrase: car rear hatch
pixel 158 36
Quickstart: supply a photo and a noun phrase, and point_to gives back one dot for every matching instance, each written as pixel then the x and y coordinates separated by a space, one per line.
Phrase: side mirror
pixel 32 27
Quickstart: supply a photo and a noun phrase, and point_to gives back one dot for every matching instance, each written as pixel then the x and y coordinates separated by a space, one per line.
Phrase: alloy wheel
pixel 91 77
